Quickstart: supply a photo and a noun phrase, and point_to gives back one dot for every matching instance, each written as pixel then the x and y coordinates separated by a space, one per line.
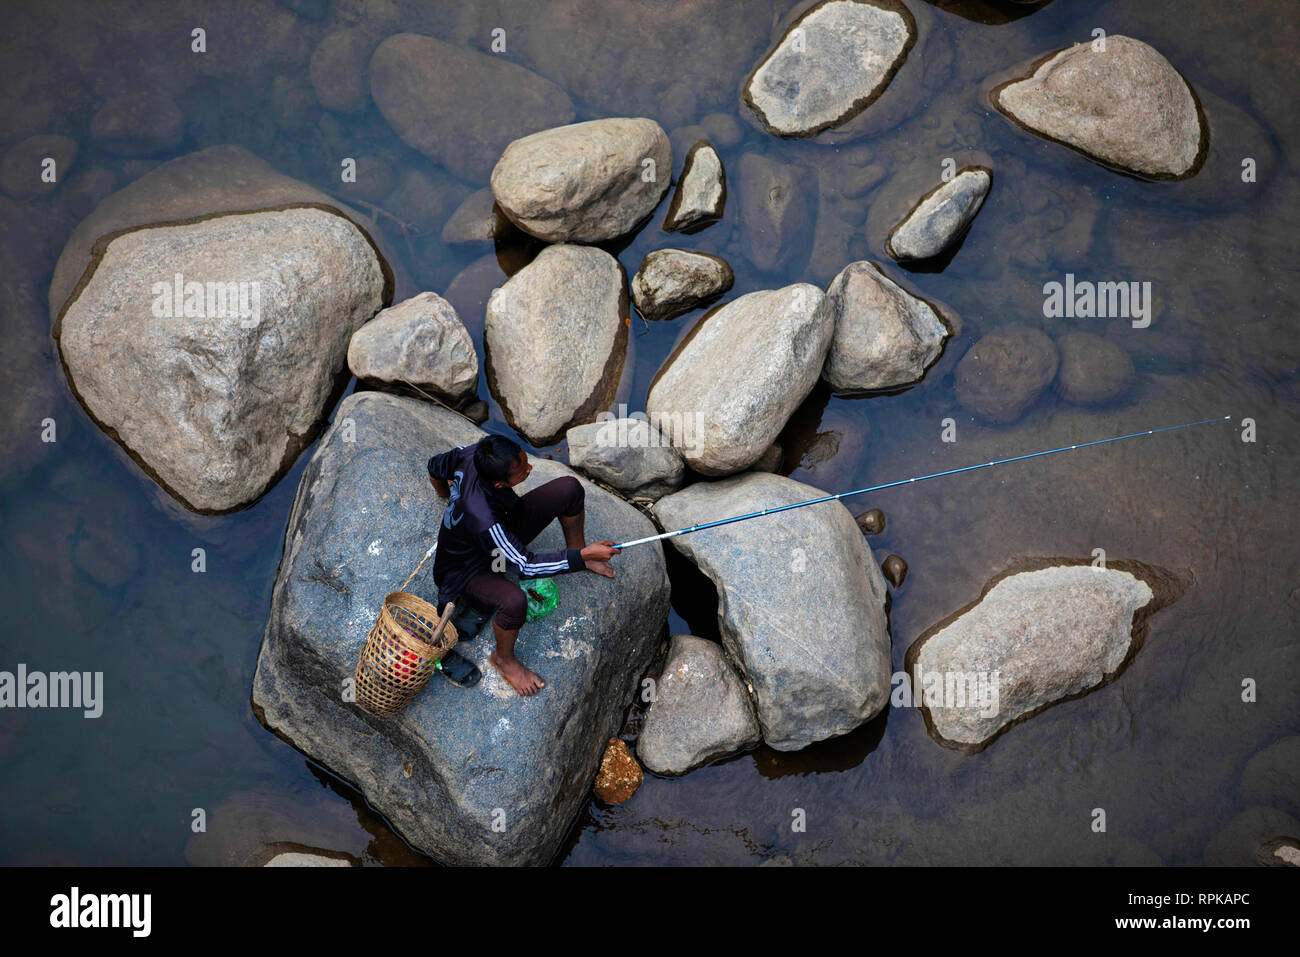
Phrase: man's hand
pixel 601 551
pixel 440 486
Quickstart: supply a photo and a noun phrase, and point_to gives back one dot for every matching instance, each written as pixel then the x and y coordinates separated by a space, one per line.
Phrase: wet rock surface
pixel 816 649
pixel 701 193
pixel 830 65
pixel 1036 637
pixel 701 710
pixel 884 336
pixel 941 217
pixel 1125 106
pixel 671 282
pixel 1003 373
pixel 628 454
pixel 586 182
pixel 363 516
pixel 459 107
pixel 556 337
pixel 728 389
pixel 215 387
pixel 420 341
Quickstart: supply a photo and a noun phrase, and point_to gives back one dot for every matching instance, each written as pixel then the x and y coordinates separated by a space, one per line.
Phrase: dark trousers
pixel 535 510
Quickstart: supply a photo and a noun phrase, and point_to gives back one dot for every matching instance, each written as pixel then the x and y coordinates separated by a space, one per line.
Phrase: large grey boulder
pixel 884 336
pixel 1002 374
pixel 420 341
pixel 673 281
pixel 941 217
pixel 701 710
pixel 629 454
pixel 830 65
pixel 728 389
pixel 211 350
pixel 468 776
pixel 1033 639
pixel 586 182
pixel 777 204
pixel 556 337
pixel 800 603
pixel 1123 105
pixel 701 193
pixel 457 106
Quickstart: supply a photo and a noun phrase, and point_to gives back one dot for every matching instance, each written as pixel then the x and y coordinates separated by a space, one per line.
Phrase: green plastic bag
pixel 543 596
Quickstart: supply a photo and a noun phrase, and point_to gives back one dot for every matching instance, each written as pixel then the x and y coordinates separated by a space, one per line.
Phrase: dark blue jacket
pixel 473 530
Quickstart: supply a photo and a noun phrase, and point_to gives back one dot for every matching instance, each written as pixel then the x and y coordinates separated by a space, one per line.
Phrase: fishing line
pixel 917 478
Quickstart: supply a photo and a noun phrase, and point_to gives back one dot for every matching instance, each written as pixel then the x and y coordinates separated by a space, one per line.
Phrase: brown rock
pixel 619 775
pixel 871 522
pixel 894 569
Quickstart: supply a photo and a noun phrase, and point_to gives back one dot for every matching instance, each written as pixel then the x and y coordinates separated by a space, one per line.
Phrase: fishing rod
pixel 909 481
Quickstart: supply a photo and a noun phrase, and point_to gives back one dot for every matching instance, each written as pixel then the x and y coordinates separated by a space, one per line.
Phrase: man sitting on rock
pixel 487 526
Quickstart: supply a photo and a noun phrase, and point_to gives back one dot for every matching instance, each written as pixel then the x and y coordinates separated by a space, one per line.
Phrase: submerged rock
pixel 776 209
pixel 556 337
pixel 619 775
pixel 1093 369
pixel 895 570
pixel 1124 105
pixel 674 281
pixel 628 454
pixel 727 390
pixel 1002 375
pixel 884 336
pixel 420 341
pixel 340 69
pixel 477 220
pixel 586 182
pixel 832 63
pixel 213 386
pixel 457 106
pixel 801 603
pixel 1036 638
pixel 137 124
pixel 701 191
pixel 941 217
pixel 700 711
pixel 23 165
pixel 494 778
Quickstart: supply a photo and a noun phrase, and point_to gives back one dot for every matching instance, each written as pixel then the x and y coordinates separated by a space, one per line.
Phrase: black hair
pixel 496 457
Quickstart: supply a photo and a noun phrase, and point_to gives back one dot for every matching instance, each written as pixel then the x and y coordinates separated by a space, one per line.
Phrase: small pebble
pixel 872 522
pixel 619 775
pixel 895 570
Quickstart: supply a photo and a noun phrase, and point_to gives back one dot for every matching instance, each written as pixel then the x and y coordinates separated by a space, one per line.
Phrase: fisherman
pixel 487 526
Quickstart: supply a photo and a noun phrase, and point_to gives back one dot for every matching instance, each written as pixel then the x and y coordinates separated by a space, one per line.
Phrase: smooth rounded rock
pixel 801 603
pixel 727 390
pixel 1093 370
pixel 556 337
pixel 777 204
pixel 629 454
pixel 340 70
pixel 872 521
pixel 1003 374
pixel 884 336
pixel 830 65
pixel 477 220
pixel 215 385
pixel 1125 106
pixel 701 710
pixel 895 570
pixel 941 217
pixel 674 281
pixel 586 182
pixel 421 342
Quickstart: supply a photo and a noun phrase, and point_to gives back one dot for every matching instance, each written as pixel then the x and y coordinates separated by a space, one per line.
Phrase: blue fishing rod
pixel 909 481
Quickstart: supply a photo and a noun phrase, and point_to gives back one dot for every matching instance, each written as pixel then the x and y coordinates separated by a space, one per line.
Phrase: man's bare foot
pixel 600 568
pixel 521 679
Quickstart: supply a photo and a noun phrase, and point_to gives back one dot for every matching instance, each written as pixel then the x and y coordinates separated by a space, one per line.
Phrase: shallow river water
pixel 96 571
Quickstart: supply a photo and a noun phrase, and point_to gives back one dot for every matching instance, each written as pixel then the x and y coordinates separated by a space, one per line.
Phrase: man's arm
pixel 500 541
pixel 441 469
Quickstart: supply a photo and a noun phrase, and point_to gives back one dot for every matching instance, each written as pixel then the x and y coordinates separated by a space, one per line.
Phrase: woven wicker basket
pixel 402 651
